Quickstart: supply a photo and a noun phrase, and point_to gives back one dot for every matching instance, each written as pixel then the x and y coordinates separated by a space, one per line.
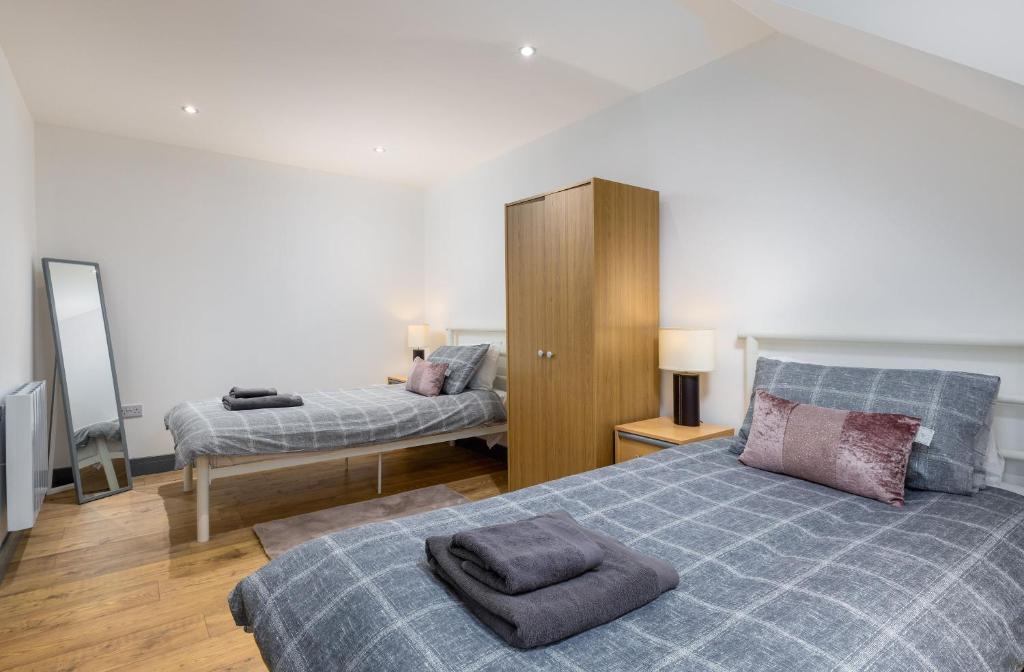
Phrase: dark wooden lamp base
pixel 686 399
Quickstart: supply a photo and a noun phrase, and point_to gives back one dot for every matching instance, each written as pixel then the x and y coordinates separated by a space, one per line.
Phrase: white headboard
pixel 495 337
pixel 1003 358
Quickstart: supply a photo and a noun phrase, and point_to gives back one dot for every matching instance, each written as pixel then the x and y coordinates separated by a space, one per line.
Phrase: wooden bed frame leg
pixel 203 500
pixel 186 479
pixel 380 469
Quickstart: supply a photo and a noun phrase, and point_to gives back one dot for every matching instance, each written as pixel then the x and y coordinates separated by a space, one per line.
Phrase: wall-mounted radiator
pixel 28 459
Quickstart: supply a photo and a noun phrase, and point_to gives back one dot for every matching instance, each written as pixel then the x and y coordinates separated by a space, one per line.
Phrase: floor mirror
pixel 88 379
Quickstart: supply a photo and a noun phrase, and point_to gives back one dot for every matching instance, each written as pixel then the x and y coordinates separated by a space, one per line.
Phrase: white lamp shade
pixel 418 334
pixel 686 350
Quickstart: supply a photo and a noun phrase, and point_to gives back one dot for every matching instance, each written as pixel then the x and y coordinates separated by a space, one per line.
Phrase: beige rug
pixel 278 536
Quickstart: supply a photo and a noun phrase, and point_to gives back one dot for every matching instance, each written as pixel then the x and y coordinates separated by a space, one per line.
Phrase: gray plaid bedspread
pixel 327 421
pixel 775 574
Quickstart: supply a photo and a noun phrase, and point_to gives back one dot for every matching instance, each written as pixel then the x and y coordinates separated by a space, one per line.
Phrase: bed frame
pixel 207 470
pixel 1004 358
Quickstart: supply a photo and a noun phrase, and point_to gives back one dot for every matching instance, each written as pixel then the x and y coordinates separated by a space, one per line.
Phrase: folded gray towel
pixel 624 581
pixel 253 403
pixel 248 392
pixel 527 554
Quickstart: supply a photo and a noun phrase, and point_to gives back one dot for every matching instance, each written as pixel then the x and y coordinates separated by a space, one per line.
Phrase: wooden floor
pixel 120 583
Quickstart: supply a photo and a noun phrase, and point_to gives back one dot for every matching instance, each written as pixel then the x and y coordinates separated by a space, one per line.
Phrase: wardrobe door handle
pixel 550 354
pixel 540 353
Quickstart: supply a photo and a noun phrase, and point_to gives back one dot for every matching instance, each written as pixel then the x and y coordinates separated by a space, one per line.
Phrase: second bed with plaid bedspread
pixel 326 421
pixel 775 574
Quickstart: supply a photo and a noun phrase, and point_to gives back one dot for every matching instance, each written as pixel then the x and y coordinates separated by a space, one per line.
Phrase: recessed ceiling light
pixel 190 109
pixel 380 149
pixel 527 50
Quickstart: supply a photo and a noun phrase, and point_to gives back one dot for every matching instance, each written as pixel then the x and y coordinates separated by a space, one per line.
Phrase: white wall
pixel 221 271
pixel 17 233
pixel 800 193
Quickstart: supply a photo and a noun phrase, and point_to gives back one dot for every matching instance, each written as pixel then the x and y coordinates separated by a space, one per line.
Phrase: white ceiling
pixel 987 35
pixel 440 83
pixel 969 51
pixel 319 83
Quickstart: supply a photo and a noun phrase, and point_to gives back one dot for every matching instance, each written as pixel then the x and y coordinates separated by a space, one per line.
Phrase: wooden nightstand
pixel 397 380
pixel 634 439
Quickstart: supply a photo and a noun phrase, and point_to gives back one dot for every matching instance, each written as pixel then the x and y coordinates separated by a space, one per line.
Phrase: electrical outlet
pixel 131 411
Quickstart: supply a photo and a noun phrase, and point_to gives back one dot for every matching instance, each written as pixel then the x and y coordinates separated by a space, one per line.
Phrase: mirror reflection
pixel 99 456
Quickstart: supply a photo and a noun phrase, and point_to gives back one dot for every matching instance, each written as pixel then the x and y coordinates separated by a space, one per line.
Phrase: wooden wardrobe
pixel 581 267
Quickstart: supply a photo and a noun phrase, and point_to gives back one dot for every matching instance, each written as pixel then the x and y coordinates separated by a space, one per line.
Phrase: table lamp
pixel 686 353
pixel 418 334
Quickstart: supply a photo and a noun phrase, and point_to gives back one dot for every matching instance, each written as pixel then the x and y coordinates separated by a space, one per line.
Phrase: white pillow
pixel 484 377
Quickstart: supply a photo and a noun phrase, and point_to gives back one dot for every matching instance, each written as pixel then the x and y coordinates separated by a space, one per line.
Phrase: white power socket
pixel 131 411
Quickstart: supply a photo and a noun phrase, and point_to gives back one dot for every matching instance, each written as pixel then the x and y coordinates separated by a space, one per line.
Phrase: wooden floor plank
pixel 121 584
pixel 232 652
pixel 90 629
pixel 137 647
pixel 67 612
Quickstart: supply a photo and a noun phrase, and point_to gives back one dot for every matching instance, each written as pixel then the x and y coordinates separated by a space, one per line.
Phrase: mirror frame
pixel 68 422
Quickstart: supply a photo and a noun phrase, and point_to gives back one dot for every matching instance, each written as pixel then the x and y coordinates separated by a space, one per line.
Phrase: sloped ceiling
pixel 968 51
pixel 985 35
pixel 440 84
pixel 319 83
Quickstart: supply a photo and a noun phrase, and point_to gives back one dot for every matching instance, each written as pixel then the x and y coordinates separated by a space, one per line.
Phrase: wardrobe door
pixel 625 309
pixel 568 312
pixel 528 384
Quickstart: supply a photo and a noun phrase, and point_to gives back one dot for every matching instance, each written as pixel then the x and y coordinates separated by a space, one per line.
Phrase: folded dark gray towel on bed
pixel 253 403
pixel 527 554
pixel 624 581
pixel 249 392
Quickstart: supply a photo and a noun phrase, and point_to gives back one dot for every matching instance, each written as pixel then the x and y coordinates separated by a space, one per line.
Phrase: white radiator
pixel 28 460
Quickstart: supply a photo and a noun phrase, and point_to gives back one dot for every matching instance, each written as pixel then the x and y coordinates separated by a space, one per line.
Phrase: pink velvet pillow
pixel 862 453
pixel 426 378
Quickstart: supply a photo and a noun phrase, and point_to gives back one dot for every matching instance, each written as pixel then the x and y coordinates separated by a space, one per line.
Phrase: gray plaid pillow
pixel 954 404
pixel 462 361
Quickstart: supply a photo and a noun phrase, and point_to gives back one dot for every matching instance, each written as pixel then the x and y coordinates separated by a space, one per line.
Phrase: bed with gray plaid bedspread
pixel 326 421
pixel 775 574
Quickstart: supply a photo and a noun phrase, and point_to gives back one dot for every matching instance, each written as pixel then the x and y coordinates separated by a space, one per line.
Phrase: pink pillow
pixel 426 378
pixel 862 453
